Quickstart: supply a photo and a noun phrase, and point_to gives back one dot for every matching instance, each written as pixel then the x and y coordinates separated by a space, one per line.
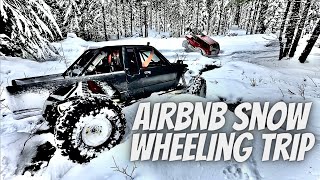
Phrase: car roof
pixel 117 46
pixel 207 39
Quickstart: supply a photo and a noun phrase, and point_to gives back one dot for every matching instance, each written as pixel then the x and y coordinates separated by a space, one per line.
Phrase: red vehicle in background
pixel 201 43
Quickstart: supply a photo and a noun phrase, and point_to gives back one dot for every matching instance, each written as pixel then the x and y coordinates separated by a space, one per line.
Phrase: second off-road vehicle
pixel 201 43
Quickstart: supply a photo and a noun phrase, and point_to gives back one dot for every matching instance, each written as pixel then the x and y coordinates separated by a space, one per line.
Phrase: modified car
pixel 83 105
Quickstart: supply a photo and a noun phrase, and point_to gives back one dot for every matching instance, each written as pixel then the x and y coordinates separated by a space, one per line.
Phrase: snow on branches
pixel 30 25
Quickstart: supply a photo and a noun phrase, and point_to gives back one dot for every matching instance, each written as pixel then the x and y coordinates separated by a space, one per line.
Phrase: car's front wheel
pixel 88 127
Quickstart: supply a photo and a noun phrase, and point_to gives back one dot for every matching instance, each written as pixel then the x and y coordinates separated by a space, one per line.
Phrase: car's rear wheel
pixel 90 126
pixel 215 52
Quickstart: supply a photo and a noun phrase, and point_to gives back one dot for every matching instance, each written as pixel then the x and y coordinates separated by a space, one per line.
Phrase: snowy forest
pixel 27 27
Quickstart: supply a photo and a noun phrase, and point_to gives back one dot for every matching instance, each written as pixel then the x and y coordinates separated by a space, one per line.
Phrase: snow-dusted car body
pixel 83 105
pixel 129 81
pixel 202 43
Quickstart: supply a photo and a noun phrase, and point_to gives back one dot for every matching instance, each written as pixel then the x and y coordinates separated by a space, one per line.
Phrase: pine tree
pixel 32 25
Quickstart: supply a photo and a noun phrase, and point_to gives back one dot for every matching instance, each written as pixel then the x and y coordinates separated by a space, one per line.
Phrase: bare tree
pixel 209 6
pixel 117 23
pixel 262 17
pixel 282 28
pixel 250 19
pixel 292 26
pixel 311 43
pixel 220 16
pixel 104 20
pixel 300 28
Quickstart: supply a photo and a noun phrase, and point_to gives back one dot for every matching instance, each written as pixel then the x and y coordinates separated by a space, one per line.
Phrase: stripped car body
pixel 132 81
pixel 83 105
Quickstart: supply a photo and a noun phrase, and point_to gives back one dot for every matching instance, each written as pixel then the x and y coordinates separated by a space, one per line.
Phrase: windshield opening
pixel 78 66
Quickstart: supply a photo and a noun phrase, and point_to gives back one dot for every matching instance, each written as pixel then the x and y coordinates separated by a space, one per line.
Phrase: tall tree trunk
pixel 250 19
pixel 300 28
pixel 150 20
pixel 220 16
pixel 117 25
pixel 214 20
pixel 262 17
pixel 282 29
pixel 141 26
pixel 292 26
pixel 104 22
pixel 237 16
pixel 124 19
pixel 209 11
pixel 208 23
pixel 197 22
pixel 254 19
pixel 165 16
pixel 157 16
pixel 224 24
pixel 131 18
pixel 312 41
pixel 183 26
pixel 145 22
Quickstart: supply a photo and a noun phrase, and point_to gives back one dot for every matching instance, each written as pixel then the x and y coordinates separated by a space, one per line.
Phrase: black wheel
pixel 88 127
pixel 215 52
pixel 51 112
pixel 203 53
pixel 197 86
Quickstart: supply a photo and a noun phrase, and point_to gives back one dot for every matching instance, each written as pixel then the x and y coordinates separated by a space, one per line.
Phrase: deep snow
pixel 250 72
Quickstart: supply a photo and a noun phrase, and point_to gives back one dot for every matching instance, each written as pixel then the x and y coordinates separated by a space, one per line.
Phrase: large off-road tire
pixel 51 112
pixel 197 86
pixel 88 127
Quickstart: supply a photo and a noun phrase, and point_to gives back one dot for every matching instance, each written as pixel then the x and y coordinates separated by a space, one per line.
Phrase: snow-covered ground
pixel 250 72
